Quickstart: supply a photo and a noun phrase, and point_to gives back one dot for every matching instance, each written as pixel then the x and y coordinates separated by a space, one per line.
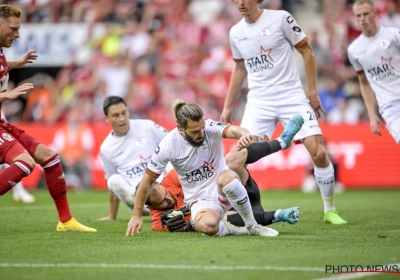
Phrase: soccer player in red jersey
pixel 17 148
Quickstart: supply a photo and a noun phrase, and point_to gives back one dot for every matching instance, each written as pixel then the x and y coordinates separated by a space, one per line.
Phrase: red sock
pixel 13 174
pixel 55 180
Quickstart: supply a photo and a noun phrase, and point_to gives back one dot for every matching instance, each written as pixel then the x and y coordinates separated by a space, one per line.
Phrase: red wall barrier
pixel 365 160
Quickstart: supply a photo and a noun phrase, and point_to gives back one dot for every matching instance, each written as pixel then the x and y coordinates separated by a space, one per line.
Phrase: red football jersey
pixel 3 73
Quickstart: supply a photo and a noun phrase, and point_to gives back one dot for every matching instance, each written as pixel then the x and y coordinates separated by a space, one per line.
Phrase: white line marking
pixel 159 266
pixel 50 207
pixel 355 275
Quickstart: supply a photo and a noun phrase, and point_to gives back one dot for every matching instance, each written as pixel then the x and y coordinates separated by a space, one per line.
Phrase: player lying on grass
pixel 210 187
pixel 169 212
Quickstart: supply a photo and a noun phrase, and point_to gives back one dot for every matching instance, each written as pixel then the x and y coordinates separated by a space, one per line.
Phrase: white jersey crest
pixel 266 47
pixel 128 155
pixel 379 58
pixel 197 167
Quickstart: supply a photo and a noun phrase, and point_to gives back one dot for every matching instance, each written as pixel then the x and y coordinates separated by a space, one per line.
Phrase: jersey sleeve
pixel 235 51
pixel 159 159
pixel 108 167
pixel 292 31
pixel 158 132
pixel 396 36
pixel 354 62
pixel 216 128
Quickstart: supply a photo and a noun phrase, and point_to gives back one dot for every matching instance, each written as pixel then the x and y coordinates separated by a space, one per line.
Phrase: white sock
pixel 237 196
pixel 223 230
pixel 325 178
pixel 276 215
pixel 283 145
pixel 18 187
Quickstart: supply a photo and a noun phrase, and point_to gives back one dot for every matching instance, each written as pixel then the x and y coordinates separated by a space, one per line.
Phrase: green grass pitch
pixel 30 248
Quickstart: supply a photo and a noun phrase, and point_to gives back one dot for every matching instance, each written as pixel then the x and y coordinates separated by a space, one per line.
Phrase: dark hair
pixel 112 100
pixel 8 11
pixel 185 112
pixel 260 1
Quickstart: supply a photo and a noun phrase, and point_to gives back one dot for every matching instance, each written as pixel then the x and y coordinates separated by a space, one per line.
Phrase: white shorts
pixel 391 115
pixel 260 118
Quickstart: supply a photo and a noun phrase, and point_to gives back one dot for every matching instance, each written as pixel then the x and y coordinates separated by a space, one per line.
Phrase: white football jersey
pixel 128 155
pixel 266 47
pixel 379 58
pixel 197 167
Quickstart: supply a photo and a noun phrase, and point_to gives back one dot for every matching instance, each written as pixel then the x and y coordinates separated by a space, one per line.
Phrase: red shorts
pixel 14 141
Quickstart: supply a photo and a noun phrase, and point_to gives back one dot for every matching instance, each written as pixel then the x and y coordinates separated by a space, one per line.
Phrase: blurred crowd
pixel 154 51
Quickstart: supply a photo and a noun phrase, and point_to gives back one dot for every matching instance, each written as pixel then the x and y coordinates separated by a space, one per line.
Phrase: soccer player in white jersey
pixel 375 55
pixel 125 152
pixel 195 150
pixel 262 46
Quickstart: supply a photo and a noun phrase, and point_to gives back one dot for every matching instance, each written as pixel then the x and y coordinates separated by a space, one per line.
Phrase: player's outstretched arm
pixel 239 74
pixel 28 57
pixel 370 102
pixel 15 93
pixel 136 222
pixel 311 72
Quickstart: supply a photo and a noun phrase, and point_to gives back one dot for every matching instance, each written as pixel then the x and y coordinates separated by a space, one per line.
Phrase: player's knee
pixel 114 182
pixel 25 157
pixel 207 223
pixel 234 159
pixel 43 153
pixel 225 177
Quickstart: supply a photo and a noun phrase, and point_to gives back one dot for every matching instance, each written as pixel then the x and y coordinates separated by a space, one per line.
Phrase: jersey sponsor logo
pixel 204 172
pixel 384 44
pixel 179 159
pixel 262 62
pixel 289 19
pixel 140 142
pixel 218 123
pixel 138 170
pixel 7 137
pixel 296 29
pixel 383 71
pixel 265 33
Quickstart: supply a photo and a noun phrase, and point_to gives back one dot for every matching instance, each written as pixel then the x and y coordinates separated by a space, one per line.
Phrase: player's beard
pixel 191 141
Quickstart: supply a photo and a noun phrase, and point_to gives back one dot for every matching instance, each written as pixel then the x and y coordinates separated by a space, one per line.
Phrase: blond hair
pixel 185 112
pixel 368 2
pixel 8 11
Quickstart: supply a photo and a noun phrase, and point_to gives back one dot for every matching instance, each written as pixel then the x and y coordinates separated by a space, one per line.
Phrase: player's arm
pixel 136 222
pixel 238 76
pixel 114 204
pixel 28 57
pixel 304 48
pixel 240 133
pixel 370 102
pixel 15 93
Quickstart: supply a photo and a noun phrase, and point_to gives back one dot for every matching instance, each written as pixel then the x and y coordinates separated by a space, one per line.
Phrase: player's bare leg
pixel 55 181
pixel 324 175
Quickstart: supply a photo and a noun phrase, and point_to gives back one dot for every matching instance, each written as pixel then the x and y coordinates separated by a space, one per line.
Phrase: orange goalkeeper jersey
pixel 172 184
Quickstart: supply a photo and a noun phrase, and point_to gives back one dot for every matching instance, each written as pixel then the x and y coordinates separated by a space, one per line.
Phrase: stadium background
pixel 153 51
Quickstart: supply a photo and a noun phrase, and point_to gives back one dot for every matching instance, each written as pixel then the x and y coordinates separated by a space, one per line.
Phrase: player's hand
pixel 244 141
pixel 28 57
pixel 135 224
pixel 18 91
pixel 315 103
pixel 226 116
pixel 374 121
pixel 174 220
